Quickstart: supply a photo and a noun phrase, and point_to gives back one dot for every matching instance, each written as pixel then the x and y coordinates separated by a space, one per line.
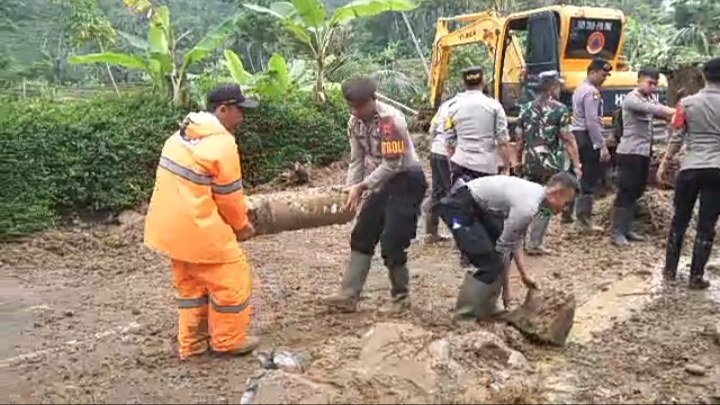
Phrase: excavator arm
pixel 480 27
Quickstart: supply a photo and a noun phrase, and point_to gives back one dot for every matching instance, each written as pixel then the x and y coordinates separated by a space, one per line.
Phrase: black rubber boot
pixel 399 283
pixel 631 235
pixel 701 255
pixel 620 226
pixel 567 214
pixel 477 300
pixel 352 283
pixel 672 256
pixel 469 298
pixel 583 210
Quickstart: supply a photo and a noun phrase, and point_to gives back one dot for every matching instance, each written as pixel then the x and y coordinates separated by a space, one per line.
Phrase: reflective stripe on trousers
pixel 199 179
pixel 189 303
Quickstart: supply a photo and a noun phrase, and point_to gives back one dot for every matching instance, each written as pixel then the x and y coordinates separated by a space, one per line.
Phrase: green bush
pixel 100 155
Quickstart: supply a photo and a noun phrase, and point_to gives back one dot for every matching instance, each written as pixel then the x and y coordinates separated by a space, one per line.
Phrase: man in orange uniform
pixel 197 215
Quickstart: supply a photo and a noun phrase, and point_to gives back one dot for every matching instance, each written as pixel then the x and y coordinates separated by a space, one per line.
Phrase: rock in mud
pixel 280 387
pixel 546 316
pixel 403 363
pixel 717 333
pixel 695 369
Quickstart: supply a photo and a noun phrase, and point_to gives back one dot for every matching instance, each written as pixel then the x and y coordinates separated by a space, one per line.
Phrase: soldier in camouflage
pixel 396 188
pixel 548 145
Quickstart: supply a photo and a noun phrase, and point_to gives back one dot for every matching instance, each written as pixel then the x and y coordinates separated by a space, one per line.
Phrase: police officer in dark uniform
pixel 587 126
pixel 696 123
pixel 396 188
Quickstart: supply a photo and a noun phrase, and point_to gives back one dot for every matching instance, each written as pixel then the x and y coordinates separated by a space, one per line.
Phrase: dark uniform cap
pixel 712 67
pixel 230 94
pixel 600 64
pixel 359 90
pixel 473 74
pixel 651 72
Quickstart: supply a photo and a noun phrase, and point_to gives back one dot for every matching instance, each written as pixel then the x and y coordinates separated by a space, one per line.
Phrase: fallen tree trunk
pixel 293 210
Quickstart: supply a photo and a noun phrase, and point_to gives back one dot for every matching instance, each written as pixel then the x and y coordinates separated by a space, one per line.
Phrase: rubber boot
pixel 432 221
pixel 352 283
pixel 631 235
pixel 701 255
pixel 583 211
pixel 469 297
pixel 399 281
pixel 536 233
pixel 620 226
pixel 672 255
pixel 489 295
pixel 567 214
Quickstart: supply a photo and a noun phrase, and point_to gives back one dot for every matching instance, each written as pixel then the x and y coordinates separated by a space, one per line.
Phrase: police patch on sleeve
pixel 392 143
pixel 596 94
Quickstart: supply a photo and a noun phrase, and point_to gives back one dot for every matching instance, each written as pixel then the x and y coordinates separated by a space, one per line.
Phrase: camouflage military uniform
pixel 542 123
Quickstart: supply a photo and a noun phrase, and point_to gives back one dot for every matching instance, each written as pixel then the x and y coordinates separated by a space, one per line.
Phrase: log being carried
pixel 293 210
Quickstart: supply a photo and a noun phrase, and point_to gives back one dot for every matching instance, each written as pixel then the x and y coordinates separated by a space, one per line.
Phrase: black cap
pixel 229 94
pixel 472 75
pixel 711 68
pixel 648 71
pixel 600 64
pixel 359 90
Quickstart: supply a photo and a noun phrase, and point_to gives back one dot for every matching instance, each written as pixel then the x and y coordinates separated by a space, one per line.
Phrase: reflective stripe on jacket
pixel 198 201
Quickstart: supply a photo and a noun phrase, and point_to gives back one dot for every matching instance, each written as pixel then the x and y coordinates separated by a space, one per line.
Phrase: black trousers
pixel 632 176
pixel 389 217
pixel 440 169
pixel 475 232
pixel 592 168
pixel 460 172
pixel 690 185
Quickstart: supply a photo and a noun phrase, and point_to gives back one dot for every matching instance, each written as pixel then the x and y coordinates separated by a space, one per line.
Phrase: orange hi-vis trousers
pixel 214 305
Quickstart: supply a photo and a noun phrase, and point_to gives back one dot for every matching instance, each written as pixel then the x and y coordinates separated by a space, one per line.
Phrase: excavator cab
pixel 523 45
pixel 541 54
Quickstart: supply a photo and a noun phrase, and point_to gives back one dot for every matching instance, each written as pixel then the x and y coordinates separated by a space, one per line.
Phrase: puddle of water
pixel 616 304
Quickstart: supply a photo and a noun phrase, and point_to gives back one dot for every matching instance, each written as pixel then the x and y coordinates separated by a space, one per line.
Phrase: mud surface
pixel 88 316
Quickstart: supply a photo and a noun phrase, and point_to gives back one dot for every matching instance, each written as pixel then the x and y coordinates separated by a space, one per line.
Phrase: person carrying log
pixel 639 110
pixel 587 126
pixel 440 170
pixel 477 138
pixel 196 217
pixel 696 123
pixel 488 217
pixel 397 186
pixel 548 146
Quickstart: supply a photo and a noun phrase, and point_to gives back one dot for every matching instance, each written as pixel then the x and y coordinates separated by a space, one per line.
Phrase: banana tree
pixel 161 60
pixel 272 82
pixel 312 26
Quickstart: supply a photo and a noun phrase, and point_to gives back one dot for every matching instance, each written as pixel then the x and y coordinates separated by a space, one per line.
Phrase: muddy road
pixel 88 316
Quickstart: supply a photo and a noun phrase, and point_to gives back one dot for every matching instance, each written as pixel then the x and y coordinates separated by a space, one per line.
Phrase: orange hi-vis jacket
pixel 198 202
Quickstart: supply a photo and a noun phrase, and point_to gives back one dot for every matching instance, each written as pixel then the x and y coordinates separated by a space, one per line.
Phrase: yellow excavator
pixel 523 45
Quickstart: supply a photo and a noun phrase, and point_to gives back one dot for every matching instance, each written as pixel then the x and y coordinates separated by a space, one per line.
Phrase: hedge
pixel 100 155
